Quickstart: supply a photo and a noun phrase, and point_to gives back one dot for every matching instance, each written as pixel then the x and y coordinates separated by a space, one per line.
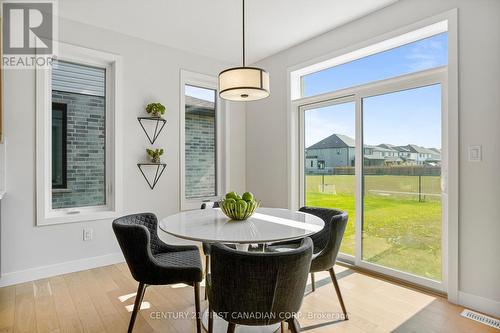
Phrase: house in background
pixel 337 150
pixel 424 155
pixel 380 156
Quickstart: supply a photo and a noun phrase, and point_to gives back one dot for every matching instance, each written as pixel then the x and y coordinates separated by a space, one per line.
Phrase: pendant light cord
pixel 243 7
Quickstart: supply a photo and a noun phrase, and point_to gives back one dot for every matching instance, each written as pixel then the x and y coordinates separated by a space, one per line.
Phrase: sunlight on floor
pixel 144 305
pixel 123 298
pixel 181 285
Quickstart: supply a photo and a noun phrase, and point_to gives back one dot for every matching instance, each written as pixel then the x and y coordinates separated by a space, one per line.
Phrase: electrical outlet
pixel 87 234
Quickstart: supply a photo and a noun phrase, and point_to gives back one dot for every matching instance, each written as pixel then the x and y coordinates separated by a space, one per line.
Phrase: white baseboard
pixel 36 273
pixel 478 303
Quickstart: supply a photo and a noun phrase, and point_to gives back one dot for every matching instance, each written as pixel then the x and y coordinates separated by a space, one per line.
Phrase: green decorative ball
pixel 247 196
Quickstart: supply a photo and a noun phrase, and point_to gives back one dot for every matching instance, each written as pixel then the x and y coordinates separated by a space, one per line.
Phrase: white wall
pixel 150 73
pixel 479 104
pixel 237 147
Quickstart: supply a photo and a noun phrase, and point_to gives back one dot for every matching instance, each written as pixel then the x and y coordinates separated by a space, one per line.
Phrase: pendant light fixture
pixel 243 83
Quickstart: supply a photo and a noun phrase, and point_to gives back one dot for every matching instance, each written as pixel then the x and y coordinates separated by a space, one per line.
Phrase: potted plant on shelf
pixel 155 154
pixel 155 109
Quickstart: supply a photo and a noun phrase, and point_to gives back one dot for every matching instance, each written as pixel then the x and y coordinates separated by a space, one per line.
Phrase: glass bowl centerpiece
pixel 238 207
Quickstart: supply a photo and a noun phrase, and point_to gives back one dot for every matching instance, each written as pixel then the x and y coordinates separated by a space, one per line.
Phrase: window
pixel 77 174
pixel 423 54
pixel 418 50
pixel 385 117
pixel 80 133
pixel 59 150
pixel 200 142
pixel 201 174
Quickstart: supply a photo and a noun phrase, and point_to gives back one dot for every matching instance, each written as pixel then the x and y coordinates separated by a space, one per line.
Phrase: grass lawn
pixel 399 231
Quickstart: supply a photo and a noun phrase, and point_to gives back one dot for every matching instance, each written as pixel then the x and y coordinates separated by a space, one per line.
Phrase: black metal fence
pixel 400 170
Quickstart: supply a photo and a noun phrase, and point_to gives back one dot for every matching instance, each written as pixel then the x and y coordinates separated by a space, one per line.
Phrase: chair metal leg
pixel 313 283
pixel 231 327
pixel 210 319
pixel 137 305
pixel 294 326
pixel 197 306
pixel 337 289
pixel 207 263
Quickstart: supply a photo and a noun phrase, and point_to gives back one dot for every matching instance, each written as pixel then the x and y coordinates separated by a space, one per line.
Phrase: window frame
pixel 208 82
pixel 113 175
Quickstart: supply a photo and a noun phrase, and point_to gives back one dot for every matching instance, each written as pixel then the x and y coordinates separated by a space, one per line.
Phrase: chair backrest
pixel 327 241
pixel 210 204
pixel 255 288
pixel 139 241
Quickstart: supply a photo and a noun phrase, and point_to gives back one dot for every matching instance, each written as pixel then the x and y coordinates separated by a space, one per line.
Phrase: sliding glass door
pixel 376 151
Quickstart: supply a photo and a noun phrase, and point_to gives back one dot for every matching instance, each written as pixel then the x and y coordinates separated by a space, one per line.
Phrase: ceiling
pixel 213 27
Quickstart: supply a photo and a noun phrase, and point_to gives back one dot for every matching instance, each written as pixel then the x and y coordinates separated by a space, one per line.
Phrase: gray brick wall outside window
pixel 86 170
pixel 200 155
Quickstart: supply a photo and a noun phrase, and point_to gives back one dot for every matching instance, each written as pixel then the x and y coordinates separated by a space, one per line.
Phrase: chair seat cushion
pixel 186 263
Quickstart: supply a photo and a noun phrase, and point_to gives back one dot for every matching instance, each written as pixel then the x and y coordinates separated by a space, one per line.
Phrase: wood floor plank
pixel 111 319
pixel 106 283
pixel 87 313
pixel 24 316
pixel 65 308
pixel 46 315
pixel 7 307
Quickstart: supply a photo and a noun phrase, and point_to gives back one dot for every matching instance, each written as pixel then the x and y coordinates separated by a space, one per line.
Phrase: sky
pixel 201 93
pixel 411 116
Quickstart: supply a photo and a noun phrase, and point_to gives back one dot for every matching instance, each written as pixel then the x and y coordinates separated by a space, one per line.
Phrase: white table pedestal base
pixel 220 326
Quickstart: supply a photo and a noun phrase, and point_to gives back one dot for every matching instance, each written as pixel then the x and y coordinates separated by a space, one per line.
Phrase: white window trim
pixel 114 184
pixel 222 169
pixel 450 134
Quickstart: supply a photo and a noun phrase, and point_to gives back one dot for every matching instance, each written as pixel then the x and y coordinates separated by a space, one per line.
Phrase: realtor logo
pixel 28 32
pixel 27 28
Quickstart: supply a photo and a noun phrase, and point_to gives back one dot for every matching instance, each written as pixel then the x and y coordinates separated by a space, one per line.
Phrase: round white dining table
pixel 266 225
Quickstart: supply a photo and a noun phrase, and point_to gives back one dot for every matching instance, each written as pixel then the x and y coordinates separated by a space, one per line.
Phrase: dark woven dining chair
pixel 268 285
pixel 326 245
pixel 153 262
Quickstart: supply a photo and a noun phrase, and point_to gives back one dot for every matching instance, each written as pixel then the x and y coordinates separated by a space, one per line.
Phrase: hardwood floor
pixel 101 300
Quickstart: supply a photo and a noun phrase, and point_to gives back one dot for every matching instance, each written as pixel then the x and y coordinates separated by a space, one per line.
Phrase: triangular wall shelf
pixel 160 167
pixel 158 128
